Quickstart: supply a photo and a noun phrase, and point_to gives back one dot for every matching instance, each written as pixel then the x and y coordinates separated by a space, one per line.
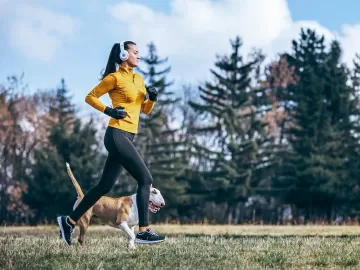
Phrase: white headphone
pixel 124 55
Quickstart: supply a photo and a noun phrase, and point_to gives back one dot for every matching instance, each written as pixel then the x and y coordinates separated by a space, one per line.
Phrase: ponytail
pixel 114 58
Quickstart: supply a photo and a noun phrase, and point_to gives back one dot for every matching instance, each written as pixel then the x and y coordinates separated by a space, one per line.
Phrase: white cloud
pixel 350 40
pixel 195 31
pixel 37 32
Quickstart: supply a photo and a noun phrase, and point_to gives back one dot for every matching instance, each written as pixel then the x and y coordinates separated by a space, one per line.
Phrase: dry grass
pixel 187 247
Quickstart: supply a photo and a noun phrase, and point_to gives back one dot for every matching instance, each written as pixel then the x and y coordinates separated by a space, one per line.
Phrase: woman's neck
pixel 125 65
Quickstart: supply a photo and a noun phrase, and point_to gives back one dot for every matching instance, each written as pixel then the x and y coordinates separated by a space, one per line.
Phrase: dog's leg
pixel 133 229
pixel 130 233
pixel 84 222
pixel 122 224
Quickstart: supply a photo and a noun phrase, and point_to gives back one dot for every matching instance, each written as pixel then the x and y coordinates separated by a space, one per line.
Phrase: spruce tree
pixel 350 188
pixel 313 168
pixel 236 127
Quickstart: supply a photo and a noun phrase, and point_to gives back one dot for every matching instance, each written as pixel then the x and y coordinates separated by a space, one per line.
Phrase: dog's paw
pixel 131 245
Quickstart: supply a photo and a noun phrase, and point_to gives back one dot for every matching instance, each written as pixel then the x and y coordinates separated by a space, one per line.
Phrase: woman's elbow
pixel 147 112
pixel 88 99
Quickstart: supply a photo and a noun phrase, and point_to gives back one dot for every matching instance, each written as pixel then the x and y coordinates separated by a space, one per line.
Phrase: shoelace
pixel 152 232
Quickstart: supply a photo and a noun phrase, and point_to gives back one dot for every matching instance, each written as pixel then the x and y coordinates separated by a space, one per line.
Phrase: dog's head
pixel 156 200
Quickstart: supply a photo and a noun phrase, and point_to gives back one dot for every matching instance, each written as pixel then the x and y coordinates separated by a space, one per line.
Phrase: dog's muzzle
pixel 155 208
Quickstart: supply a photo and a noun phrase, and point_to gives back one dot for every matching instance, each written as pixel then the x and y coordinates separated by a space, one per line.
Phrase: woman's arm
pixel 147 106
pixel 106 85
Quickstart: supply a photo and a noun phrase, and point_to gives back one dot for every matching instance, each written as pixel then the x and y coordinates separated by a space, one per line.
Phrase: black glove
pixel 152 92
pixel 117 113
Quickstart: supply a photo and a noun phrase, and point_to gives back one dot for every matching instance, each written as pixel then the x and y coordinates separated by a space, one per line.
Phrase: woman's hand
pixel 152 92
pixel 117 113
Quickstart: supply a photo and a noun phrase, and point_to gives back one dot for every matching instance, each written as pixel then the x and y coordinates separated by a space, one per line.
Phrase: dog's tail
pixel 75 183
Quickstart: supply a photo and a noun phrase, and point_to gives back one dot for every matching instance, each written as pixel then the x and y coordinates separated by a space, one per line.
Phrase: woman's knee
pixel 146 180
pixel 103 188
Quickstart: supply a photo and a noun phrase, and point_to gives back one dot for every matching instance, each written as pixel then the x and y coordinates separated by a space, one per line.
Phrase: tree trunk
pixel 230 214
pixel 237 213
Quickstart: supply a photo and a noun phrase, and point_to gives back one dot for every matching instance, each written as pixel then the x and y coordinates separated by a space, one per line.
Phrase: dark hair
pixel 114 58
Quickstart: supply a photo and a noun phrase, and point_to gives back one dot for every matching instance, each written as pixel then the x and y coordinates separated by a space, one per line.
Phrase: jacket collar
pixel 127 70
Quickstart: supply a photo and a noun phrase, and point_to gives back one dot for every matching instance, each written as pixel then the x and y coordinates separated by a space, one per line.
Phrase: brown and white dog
pixel 118 212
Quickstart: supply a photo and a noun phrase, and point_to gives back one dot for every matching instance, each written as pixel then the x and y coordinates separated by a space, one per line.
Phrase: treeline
pixel 259 143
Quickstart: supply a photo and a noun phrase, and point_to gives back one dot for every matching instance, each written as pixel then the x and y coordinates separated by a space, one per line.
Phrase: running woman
pixel 129 97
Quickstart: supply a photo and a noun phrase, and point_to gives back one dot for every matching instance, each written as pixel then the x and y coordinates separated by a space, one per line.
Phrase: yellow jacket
pixel 126 89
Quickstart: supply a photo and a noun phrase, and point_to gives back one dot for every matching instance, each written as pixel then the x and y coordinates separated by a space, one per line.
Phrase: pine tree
pixel 350 188
pixel 235 125
pixel 314 165
pixel 50 190
pixel 157 141
pixel 158 121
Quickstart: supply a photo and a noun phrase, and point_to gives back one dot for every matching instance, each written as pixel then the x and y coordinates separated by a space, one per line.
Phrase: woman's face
pixel 133 59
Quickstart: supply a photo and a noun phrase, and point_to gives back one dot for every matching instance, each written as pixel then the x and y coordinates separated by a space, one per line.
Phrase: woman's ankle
pixel 143 228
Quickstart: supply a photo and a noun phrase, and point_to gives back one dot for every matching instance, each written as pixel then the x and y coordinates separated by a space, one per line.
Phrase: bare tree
pixel 22 129
pixel 279 76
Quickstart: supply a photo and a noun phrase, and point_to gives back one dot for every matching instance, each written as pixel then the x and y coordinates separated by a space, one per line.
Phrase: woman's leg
pixel 111 172
pixel 108 178
pixel 134 164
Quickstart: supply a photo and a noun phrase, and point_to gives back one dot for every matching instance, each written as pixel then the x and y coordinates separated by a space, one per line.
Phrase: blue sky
pixel 329 13
pixel 50 40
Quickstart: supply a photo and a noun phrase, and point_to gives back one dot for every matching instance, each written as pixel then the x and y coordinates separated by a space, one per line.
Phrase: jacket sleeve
pixel 147 106
pixel 106 85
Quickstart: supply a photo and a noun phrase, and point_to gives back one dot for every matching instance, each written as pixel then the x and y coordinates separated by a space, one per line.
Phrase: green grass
pixel 186 247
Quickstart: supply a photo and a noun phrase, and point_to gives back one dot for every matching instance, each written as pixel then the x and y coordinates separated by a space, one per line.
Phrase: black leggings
pixel 122 154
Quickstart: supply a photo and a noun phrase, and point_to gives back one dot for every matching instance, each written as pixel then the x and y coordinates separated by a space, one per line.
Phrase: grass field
pixel 187 247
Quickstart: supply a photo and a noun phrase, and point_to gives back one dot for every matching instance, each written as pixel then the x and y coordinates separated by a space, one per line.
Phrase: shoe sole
pixel 139 241
pixel 62 230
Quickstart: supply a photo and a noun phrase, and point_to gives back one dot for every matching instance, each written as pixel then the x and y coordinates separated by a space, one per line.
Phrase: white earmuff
pixel 124 55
